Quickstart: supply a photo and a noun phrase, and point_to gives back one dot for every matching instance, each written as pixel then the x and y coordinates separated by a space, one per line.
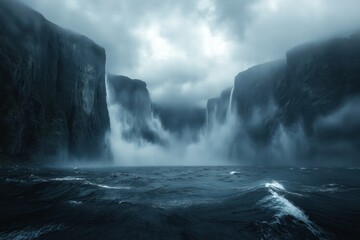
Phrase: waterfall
pixel 229 110
pixel 171 150
pixel 207 118
pixel 131 150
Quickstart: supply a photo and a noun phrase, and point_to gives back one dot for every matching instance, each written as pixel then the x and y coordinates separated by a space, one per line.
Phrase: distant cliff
pixel 52 95
pixel 133 97
pixel 182 120
pixel 217 108
pixel 313 94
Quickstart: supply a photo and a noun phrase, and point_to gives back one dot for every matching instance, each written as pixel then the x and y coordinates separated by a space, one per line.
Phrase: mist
pixel 175 149
pixel 213 145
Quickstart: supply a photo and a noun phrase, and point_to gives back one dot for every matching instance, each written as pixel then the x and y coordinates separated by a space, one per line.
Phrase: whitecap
pixel 284 207
pixel 274 185
pixel 107 186
pixel 74 202
pixel 29 233
pixel 183 203
pixel 67 178
pixel 234 172
pixel 332 188
pixel 33 176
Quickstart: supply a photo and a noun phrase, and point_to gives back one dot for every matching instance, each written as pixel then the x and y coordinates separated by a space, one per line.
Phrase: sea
pixel 217 202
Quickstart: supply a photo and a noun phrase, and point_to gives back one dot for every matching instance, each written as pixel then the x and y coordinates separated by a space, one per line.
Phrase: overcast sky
pixel 188 50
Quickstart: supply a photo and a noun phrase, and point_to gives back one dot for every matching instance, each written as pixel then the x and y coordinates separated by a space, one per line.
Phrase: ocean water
pixel 180 203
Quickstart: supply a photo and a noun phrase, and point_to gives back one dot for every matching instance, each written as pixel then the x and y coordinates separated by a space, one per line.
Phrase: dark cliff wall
pixel 133 97
pixel 316 88
pixel 254 102
pixel 132 94
pixel 52 95
pixel 319 78
pixel 321 91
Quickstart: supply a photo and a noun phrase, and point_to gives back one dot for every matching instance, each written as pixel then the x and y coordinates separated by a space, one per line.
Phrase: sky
pixel 190 50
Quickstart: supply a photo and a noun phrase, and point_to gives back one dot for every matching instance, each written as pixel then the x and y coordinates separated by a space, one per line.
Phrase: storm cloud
pixel 189 51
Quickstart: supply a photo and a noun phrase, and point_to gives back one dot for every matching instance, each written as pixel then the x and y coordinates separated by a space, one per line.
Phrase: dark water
pixel 180 203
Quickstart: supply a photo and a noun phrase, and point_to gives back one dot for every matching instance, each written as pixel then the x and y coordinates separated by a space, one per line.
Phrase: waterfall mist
pixel 220 142
pixel 175 152
pixel 207 149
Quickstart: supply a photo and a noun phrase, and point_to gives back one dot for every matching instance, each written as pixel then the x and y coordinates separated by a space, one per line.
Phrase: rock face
pixel 217 108
pixel 314 93
pixel 254 101
pixel 52 95
pixel 132 96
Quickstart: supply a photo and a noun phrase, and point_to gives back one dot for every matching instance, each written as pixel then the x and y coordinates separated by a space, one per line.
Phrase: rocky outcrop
pixel 313 93
pixel 135 113
pixel 52 95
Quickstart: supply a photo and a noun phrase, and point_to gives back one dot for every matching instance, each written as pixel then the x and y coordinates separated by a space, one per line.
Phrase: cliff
pixel 52 95
pixel 312 95
pixel 217 108
pixel 135 114
pixel 254 102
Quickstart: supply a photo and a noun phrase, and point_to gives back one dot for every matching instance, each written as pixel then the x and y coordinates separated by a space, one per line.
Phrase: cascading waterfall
pixel 221 127
pixel 127 151
pixel 175 151
pixel 229 111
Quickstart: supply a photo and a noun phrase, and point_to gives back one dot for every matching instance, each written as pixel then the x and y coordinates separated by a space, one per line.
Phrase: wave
pixel 13 180
pixel 284 207
pixel 74 202
pixel 274 185
pixel 69 178
pixel 330 188
pixel 106 186
pixel 29 233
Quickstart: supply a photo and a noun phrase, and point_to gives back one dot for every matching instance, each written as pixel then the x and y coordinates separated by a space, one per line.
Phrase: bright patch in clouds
pixel 213 44
pixel 156 47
